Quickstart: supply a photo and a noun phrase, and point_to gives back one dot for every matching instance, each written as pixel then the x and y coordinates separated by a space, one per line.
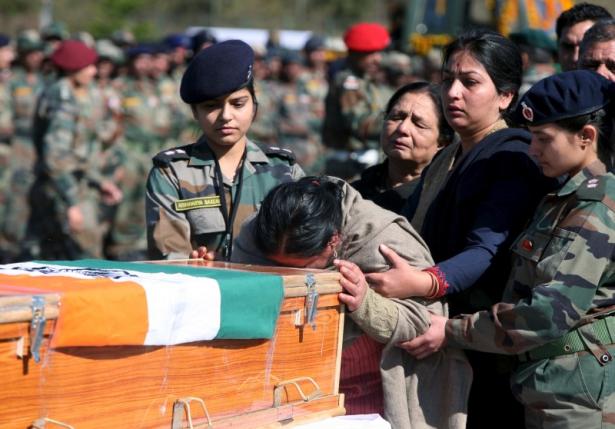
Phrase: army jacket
pixel 24 92
pixel 563 270
pixel 354 112
pixel 67 128
pixel 183 207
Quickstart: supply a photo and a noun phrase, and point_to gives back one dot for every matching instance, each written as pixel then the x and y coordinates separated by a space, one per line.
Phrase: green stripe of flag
pixel 250 301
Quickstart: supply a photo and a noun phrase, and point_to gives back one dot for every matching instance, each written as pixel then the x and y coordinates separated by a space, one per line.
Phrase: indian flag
pixel 120 303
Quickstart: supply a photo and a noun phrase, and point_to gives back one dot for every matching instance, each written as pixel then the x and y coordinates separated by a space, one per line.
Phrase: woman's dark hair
pixel 445 132
pixel 603 120
pixel 499 55
pixel 299 218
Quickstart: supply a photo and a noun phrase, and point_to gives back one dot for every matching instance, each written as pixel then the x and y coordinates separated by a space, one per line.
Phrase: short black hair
pixel 579 13
pixel 499 55
pixel 602 31
pixel 299 218
pixel 446 133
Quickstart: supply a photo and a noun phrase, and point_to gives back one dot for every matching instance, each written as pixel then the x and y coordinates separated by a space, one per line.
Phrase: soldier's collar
pixel 594 169
pixel 203 155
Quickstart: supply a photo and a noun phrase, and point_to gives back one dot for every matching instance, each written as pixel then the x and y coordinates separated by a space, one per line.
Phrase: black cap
pixel 4 40
pixel 564 95
pixel 217 70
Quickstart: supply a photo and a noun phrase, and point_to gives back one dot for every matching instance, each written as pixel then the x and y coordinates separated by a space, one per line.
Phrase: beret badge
pixel 527 112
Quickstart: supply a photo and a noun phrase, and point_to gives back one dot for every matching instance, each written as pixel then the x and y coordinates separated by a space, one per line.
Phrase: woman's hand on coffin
pixel 430 342
pixel 401 280
pixel 353 282
pixel 201 252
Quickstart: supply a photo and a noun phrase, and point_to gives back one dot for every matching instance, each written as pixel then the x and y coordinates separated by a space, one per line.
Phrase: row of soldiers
pixel 133 111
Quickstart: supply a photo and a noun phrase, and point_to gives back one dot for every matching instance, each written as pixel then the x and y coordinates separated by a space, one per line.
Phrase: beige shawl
pixel 431 393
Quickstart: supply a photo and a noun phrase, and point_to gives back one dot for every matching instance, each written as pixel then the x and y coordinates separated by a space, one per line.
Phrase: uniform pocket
pixel 206 220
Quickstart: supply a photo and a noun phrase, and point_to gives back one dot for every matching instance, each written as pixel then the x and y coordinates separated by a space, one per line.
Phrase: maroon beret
pixel 73 55
pixel 367 37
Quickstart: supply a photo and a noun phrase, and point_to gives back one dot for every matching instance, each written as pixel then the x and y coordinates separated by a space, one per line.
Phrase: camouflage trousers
pixel 49 234
pixel 570 391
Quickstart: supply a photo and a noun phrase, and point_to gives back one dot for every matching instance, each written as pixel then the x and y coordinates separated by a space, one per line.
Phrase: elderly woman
pixel 314 221
pixel 413 131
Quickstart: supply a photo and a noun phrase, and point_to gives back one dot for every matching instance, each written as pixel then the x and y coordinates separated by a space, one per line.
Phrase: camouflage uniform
pixel 24 89
pixel 354 113
pixel 182 203
pixel 67 128
pixel 6 132
pixel 558 308
pixel 264 128
pixel 298 127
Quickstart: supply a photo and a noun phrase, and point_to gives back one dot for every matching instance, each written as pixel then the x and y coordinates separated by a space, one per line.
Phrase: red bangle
pixel 441 281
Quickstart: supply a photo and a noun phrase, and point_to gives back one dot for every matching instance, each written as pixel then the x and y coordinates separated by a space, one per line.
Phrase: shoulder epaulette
pixel 274 151
pixel 592 189
pixel 168 156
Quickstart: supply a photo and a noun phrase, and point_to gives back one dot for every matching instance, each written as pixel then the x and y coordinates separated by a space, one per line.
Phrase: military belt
pixel 572 341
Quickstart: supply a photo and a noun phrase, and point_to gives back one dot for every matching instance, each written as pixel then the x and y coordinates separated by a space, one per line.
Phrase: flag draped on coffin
pixel 123 303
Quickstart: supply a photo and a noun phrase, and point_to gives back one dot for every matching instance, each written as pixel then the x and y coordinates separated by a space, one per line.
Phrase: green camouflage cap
pixel 397 61
pixel 123 38
pixel 55 30
pixel 85 37
pixel 29 40
pixel 536 38
pixel 107 50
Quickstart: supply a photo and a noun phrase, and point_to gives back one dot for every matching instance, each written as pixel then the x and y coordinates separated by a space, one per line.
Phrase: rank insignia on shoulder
pixel 280 153
pixel 197 203
pixel 592 189
pixel 168 156
pixel 351 83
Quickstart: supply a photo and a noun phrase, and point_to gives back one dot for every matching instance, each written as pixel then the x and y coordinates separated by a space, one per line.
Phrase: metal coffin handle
pixel 181 406
pixel 277 390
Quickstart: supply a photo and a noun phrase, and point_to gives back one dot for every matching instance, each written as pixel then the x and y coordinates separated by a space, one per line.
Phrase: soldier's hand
pixel 401 280
pixel 353 282
pixel 75 219
pixel 430 342
pixel 111 194
pixel 202 253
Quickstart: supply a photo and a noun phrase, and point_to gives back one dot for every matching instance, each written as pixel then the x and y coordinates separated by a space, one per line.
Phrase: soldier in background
pixel 26 84
pixel 179 44
pixel 597 51
pixel 264 128
pixel 570 27
pixel 66 197
pixel 7 54
pixel 355 103
pixel 296 122
pixel 538 55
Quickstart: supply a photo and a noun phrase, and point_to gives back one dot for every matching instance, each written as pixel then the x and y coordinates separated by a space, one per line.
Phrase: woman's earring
pixel 334 253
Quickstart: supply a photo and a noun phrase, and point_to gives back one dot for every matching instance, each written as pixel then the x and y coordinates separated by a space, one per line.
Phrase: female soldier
pixel 413 131
pixel 557 313
pixel 198 194
pixel 311 222
pixel 474 199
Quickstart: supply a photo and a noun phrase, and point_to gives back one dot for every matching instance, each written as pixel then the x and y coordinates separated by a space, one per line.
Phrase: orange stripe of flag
pixel 93 312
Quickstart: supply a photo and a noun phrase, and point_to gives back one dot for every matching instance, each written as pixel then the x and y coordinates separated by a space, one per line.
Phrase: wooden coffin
pixel 221 383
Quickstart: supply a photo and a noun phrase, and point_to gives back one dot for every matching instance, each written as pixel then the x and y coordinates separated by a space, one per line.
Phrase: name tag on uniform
pixel 197 203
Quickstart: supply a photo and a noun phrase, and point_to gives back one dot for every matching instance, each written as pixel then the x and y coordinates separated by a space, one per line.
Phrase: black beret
pixel 217 70
pixel 4 40
pixel 140 49
pixel 564 95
